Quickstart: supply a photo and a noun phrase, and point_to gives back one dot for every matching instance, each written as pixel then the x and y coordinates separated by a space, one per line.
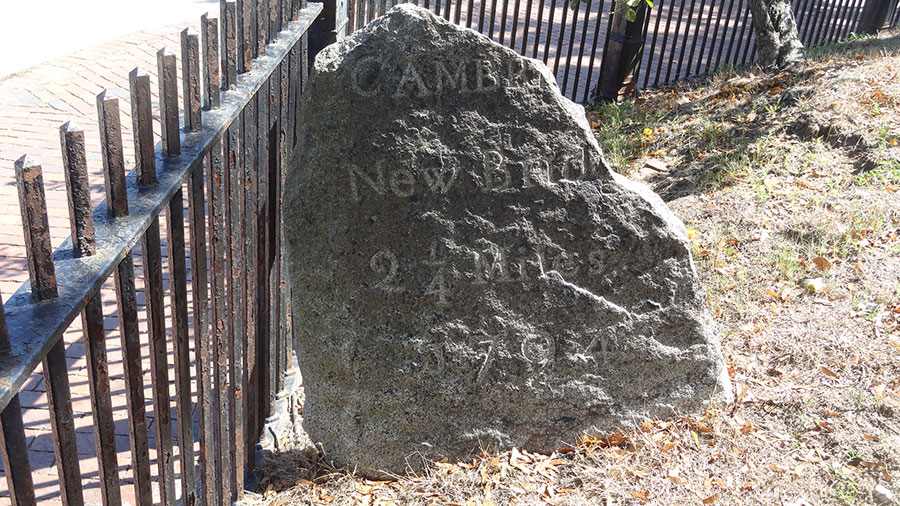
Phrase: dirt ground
pixel 789 185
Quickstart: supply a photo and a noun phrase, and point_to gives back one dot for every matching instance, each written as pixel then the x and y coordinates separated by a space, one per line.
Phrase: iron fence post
pixel 329 27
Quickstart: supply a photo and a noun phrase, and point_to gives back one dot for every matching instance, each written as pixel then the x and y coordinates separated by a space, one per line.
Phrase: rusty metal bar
pixel 32 204
pixel 581 50
pixel 202 350
pixel 41 324
pixel 274 159
pixel 569 52
pixel 190 73
pixel 835 33
pixel 178 299
pixel 168 101
pixel 14 446
pixel 229 45
pixel 493 19
pixel 726 29
pixel 750 38
pixel 525 27
pixel 256 38
pixel 734 33
pixel 829 35
pixel 42 273
pixel 153 286
pixel 15 452
pixel 239 177
pixel 209 29
pixel 597 24
pixel 71 139
pixel 803 17
pixel 687 35
pixel 224 347
pixel 715 38
pixel 853 7
pixel 549 31
pixel 245 34
pixel 82 225
pixel 248 346
pixel 262 25
pixel 296 65
pixel 142 121
pixel 657 8
pixel 360 14
pixel 218 316
pixel 273 17
pixel 664 45
pixel 814 22
pixel 675 43
pixel 696 35
pixel 190 57
pixel 275 226
pixel 145 155
pixel 827 13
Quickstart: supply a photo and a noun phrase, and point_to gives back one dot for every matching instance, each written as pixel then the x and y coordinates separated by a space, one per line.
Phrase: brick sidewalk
pixel 33 104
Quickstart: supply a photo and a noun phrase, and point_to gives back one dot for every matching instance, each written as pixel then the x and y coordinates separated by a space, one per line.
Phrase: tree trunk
pixel 777 39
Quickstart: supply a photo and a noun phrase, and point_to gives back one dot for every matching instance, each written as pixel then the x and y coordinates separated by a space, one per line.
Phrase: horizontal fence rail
pixel 681 38
pixel 239 121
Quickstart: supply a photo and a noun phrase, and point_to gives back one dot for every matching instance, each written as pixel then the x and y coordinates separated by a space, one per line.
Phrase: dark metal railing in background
pixel 232 143
pixel 682 38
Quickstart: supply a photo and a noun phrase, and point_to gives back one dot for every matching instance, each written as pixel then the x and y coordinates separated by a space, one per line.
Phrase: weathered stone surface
pixel 467 271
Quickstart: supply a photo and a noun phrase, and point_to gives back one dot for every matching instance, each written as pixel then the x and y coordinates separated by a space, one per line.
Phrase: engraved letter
pixel 385 262
pixel 376 184
pixel 452 80
pixel 518 73
pixel 440 179
pixel 538 350
pixel 364 78
pixel 484 79
pixel 490 268
pixel 535 172
pixel 493 162
pixel 573 167
pixel 411 79
pixel 403 182
pixel 438 287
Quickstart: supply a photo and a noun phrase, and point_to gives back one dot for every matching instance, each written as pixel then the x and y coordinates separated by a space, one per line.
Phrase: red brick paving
pixel 33 104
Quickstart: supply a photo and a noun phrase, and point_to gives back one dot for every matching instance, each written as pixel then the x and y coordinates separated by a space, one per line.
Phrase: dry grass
pixel 782 180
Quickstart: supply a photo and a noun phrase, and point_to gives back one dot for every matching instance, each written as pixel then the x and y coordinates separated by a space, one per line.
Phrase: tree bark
pixel 777 40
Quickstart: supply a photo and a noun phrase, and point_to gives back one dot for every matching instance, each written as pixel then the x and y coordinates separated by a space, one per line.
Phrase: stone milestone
pixel 467 271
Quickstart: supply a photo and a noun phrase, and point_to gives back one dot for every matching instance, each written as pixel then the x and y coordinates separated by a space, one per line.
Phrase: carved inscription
pixel 481 266
pixel 434 79
pixel 492 172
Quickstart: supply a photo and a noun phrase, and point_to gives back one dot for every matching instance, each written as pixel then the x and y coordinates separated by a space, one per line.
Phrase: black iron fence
pixel 681 38
pixel 240 92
